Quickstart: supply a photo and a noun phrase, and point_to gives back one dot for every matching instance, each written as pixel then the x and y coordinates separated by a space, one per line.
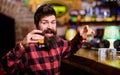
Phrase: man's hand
pixel 32 37
pixel 86 31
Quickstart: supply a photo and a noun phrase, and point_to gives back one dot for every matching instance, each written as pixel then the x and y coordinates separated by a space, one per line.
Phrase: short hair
pixel 42 11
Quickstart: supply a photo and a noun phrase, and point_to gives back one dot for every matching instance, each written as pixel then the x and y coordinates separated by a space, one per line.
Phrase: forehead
pixel 48 18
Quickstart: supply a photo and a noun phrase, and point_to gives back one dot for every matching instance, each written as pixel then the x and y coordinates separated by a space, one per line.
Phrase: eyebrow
pixel 47 20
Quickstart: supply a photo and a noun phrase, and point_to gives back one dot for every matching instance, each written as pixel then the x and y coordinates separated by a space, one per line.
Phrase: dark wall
pixel 7 34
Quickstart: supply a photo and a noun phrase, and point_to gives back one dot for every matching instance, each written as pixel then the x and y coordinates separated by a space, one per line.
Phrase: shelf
pixel 101 23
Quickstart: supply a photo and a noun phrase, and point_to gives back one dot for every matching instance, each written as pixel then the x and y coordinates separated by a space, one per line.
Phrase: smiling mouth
pixel 48 34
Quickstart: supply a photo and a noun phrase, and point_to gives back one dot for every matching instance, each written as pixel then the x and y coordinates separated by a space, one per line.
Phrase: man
pixel 30 57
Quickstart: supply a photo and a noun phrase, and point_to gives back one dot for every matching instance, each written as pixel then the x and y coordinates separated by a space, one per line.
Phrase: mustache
pixel 49 31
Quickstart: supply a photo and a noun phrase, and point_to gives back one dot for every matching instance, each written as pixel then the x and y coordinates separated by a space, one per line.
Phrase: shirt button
pixel 51 60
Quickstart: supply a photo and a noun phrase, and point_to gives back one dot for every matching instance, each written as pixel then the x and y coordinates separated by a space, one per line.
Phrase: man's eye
pixel 53 22
pixel 44 22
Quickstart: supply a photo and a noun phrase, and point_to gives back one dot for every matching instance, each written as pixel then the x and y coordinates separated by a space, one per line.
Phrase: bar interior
pixel 99 54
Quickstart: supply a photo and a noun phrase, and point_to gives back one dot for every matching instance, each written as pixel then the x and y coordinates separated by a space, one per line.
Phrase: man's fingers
pixel 86 28
pixel 35 31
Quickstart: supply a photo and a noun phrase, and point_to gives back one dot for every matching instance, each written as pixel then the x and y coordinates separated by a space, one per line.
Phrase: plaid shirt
pixel 38 61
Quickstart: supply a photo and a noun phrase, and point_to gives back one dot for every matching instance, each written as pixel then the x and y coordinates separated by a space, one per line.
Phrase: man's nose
pixel 49 25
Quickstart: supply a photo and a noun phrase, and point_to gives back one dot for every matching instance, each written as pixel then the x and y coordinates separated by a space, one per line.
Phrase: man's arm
pixel 69 47
pixel 82 34
pixel 8 63
pixel 76 43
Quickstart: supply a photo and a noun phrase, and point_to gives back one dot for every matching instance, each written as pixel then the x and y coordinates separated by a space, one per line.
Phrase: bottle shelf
pixel 101 23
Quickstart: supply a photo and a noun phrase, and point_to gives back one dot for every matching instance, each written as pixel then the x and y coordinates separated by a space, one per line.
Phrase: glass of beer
pixel 41 43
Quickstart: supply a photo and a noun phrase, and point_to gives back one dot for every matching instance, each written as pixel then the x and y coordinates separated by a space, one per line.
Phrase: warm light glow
pixel 111 32
pixel 60 10
pixel 70 33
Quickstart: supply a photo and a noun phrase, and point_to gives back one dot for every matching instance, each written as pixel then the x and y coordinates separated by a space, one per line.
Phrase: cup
pixel 41 43
pixel 102 54
pixel 111 54
pixel 106 54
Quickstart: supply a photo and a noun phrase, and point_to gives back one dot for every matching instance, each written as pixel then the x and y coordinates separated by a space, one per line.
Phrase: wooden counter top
pixel 88 60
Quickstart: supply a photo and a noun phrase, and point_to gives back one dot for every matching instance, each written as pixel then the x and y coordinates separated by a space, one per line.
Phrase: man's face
pixel 48 25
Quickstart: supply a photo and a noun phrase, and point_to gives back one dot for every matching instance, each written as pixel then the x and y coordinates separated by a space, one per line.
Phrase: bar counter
pixel 87 60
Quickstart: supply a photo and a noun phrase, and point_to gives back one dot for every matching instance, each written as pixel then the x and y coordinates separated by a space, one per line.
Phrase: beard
pixel 50 42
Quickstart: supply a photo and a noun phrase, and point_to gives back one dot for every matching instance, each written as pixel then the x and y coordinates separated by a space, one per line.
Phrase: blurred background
pixel 16 20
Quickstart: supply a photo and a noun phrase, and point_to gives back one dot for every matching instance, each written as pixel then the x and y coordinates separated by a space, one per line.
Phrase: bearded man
pixel 41 51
